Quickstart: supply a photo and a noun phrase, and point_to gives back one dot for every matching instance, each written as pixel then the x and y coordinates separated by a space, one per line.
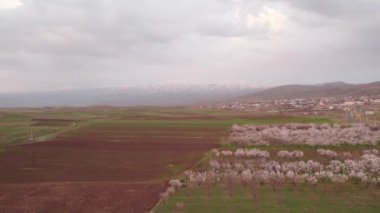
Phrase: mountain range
pixel 152 95
pixel 172 94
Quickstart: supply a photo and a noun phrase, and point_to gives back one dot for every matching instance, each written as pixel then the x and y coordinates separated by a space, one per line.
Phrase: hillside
pixel 335 89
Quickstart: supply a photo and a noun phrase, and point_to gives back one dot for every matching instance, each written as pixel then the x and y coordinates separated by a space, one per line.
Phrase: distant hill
pixel 334 89
pixel 153 95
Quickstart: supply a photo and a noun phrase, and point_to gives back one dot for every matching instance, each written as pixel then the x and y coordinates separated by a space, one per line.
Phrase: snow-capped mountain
pixel 152 95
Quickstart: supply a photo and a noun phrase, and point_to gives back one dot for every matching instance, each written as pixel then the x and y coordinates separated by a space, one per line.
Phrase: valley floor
pixel 119 160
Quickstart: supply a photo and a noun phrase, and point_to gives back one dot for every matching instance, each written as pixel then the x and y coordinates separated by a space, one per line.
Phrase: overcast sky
pixel 61 44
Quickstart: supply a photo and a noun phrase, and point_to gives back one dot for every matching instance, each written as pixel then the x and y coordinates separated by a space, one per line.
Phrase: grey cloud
pixel 53 44
pixel 336 7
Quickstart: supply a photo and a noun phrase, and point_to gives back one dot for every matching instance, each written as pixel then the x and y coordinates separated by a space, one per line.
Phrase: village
pixel 360 109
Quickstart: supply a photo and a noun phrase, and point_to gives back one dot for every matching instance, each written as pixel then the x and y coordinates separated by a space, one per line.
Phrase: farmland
pixel 120 159
pixel 264 171
pixel 110 156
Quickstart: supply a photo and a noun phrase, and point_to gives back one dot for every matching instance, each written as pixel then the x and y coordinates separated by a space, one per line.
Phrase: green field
pixel 322 198
pixel 17 126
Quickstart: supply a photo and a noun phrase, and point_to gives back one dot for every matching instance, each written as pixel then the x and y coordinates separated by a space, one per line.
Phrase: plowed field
pixel 100 167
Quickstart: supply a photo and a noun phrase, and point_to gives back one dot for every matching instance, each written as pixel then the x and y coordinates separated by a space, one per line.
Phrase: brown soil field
pixel 78 197
pixel 117 168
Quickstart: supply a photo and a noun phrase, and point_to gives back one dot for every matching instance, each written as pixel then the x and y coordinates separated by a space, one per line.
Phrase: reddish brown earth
pixel 78 197
pixel 116 168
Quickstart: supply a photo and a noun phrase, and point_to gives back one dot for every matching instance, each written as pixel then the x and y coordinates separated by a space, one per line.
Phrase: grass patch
pixel 222 123
pixel 325 197
pixel 14 117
